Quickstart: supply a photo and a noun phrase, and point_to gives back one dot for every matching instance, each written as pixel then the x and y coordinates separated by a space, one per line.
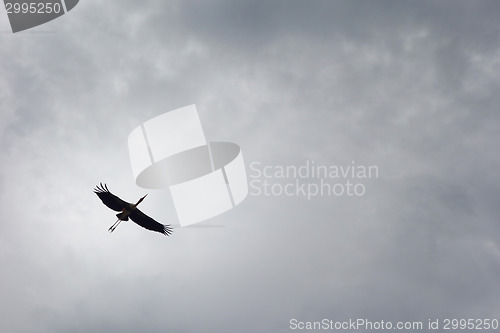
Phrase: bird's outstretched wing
pixel 109 199
pixel 146 222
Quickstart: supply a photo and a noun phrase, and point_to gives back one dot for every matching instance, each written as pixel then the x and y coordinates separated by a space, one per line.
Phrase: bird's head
pixel 140 200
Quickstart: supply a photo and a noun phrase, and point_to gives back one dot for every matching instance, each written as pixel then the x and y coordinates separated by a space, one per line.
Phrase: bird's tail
pixel 122 216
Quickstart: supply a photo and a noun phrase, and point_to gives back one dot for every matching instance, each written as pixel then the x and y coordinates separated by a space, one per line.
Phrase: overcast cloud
pixel 408 86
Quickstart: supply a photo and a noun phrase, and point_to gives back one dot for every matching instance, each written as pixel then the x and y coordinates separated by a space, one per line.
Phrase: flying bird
pixel 127 210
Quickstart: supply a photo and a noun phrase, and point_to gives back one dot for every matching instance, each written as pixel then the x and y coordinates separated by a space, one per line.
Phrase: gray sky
pixel 408 86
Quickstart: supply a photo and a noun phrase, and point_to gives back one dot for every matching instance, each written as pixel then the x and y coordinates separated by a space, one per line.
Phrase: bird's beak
pixel 145 196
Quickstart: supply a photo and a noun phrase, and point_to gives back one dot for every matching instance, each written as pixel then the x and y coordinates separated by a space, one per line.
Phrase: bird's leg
pixel 113 227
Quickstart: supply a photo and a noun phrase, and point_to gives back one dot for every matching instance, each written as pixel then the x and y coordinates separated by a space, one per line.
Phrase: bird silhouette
pixel 127 210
